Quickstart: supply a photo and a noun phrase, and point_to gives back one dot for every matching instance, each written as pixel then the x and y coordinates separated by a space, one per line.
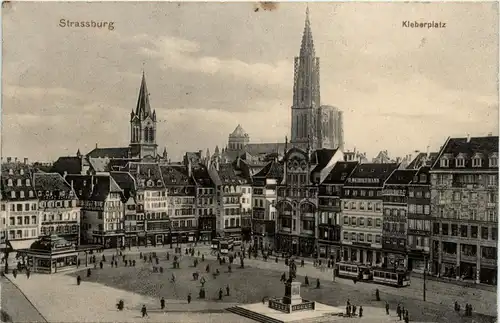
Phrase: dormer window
pixel 494 161
pixel 460 162
pixel 476 162
pixel 30 193
pixel 9 182
pixel 423 178
pixel 28 182
pixel 13 194
pixel 22 194
pixel 11 171
pixel 444 162
pixel 19 182
pixel 39 193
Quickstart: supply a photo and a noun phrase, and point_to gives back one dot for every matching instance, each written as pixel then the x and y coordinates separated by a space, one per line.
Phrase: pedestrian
pixel 173 278
pixel 144 311
pixel 306 281
pixel 162 303
pixel 360 311
pixel 78 280
pixel 100 264
pixel 220 294
pixel 354 310
pixel 14 272
pixel 398 311
pixel 207 268
pixel 203 257
pixel 302 262
pixel 386 308
pixel 77 263
pixel 317 283
pixel 116 263
pixel 112 263
pixel 227 290
pixel 348 310
pixel 28 272
pixel 133 263
pixel 229 268
pixel 88 272
pixel 377 295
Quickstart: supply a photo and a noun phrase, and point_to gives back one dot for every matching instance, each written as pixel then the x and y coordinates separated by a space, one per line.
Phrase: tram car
pixel 386 276
pixel 353 270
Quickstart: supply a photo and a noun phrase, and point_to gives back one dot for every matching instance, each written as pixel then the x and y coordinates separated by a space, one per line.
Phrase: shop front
pixel 329 250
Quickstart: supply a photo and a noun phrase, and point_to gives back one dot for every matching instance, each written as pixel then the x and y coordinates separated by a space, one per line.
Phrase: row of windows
pixel 418 241
pixel 419 209
pixel 59 229
pixel 360 221
pixel 232 211
pixel 423 225
pixel 205 200
pixel 360 237
pixel 355 193
pixel 419 194
pixel 476 162
pixel 22 234
pixel 470 214
pixel 395 212
pixel 203 191
pixel 156 205
pixel 58 204
pixel 362 206
pixel 19 182
pixel 230 200
pixel 20 207
pixel 395 227
pixel 14 194
pixel 464 231
pixel 19 220
pixel 205 212
pixel 232 222
pixel 66 216
pixel 182 200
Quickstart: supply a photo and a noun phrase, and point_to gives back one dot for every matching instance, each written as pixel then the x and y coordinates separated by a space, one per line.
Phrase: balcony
pixel 451 257
pixel 307 215
pixel 468 257
pixel 108 232
pixel 488 262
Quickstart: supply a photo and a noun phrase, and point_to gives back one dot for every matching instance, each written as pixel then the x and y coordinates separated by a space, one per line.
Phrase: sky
pixel 212 66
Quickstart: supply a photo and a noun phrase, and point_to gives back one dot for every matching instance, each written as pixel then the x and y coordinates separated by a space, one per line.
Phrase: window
pixel 370 222
pixel 346 220
pixel 484 233
pixel 369 237
pixel 445 162
pixel 460 162
pixel 411 208
pixel 378 222
pixel 19 182
pixel 492 180
pixel 353 236
pixel 21 194
pixel 410 240
pixel 411 194
pixel 28 182
pixel 353 221
pixel 9 182
pixel 494 162
pixel 377 238
pixel 346 235
pixel 476 162
pixel 361 221
pixel 13 194
pixel 361 237
pixel 427 209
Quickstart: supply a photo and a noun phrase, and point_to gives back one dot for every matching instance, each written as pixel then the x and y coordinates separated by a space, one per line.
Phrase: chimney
pixel 190 168
pixel 71 184
pixel 25 161
pixel 468 138
pixel 217 164
pixel 149 172
pixel 490 134
pixel 9 159
pixel 92 183
pixel 65 174
pixel 15 160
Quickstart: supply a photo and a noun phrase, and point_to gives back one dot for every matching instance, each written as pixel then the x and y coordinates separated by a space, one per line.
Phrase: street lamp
pixel 425 273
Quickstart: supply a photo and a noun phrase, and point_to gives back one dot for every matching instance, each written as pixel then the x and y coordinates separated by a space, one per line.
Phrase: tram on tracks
pixel 378 275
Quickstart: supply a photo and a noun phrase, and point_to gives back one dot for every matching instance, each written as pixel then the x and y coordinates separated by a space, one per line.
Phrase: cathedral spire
pixel 143 108
pixel 307 46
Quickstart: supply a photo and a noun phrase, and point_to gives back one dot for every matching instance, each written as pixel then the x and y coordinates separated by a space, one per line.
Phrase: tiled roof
pixel 238 132
pixel 126 182
pixel 201 176
pixel 71 165
pixel 93 188
pixel 99 164
pixel 147 175
pixel 340 172
pixel 175 175
pixel 21 172
pixel 422 170
pixel 120 163
pixel 52 182
pixel 272 170
pixel 371 171
pixel 112 152
pixel 228 176
pixel 422 159
pixel 321 158
pixel 265 148
pixel 482 147
pixel 401 177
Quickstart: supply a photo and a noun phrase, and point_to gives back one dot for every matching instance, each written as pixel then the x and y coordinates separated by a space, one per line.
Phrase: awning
pixel 21 244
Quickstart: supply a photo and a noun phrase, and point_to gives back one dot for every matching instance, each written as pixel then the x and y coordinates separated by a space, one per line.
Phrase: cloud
pixel 175 53
pixel 14 91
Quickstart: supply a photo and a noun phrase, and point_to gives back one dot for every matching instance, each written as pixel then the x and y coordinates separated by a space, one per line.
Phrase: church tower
pixel 306 94
pixel 143 126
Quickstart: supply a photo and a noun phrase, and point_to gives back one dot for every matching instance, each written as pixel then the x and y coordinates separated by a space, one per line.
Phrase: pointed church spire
pixel 307 46
pixel 143 108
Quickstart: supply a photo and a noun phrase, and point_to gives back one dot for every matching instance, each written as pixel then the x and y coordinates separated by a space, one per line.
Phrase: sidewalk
pixel 59 299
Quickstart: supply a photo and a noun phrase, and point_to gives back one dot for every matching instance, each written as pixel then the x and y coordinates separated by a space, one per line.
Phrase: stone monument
pixel 291 301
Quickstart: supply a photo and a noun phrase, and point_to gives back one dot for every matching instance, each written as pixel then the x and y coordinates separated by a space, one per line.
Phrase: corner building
pixel 363 213
pixel 464 208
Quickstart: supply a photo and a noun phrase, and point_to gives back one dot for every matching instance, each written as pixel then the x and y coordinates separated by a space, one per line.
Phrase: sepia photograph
pixel 241 162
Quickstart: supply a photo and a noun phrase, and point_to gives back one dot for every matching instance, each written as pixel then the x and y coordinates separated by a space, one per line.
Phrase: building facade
pixel 464 209
pixel 297 206
pixel 264 214
pixel 419 220
pixel 20 204
pixel 206 203
pixel 330 210
pixel 362 213
pixel 58 207
pixel 395 219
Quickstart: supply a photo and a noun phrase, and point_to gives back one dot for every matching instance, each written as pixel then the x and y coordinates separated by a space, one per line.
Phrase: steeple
pixel 307 46
pixel 143 108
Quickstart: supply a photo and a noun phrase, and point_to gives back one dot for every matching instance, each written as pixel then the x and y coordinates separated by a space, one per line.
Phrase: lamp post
pixel 425 273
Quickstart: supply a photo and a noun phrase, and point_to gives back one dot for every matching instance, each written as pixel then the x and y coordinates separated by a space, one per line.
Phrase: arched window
pixel 151 134
pixel 146 134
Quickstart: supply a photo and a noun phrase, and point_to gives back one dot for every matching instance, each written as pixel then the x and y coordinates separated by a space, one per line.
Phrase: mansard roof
pixel 228 175
pixel 50 182
pixel 111 152
pixel 321 158
pixel 126 183
pixel 340 172
pixel 147 175
pixel 202 176
pixel 19 171
pixel 273 170
pixel 69 164
pixel 401 177
pixel 422 159
pixel 371 174
pixel 467 149
pixel 94 187
pixel 176 175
